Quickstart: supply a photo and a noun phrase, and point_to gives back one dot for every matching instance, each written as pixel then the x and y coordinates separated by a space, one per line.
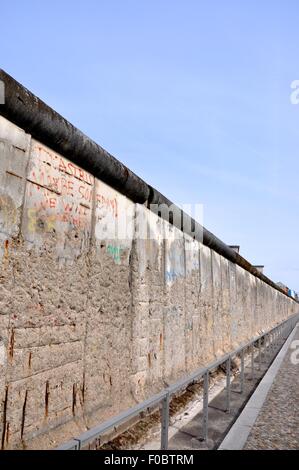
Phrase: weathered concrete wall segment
pixel 93 318
pixel 27 111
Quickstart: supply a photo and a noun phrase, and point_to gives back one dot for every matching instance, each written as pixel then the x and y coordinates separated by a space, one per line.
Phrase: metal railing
pixel 267 343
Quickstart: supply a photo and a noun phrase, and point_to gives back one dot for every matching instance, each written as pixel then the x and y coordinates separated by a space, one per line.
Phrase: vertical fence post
pixel 165 423
pixel 268 347
pixel 242 371
pixel 260 353
pixel 252 361
pixel 228 384
pixel 206 407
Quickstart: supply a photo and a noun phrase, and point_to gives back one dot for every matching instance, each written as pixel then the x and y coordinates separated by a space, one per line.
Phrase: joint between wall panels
pixel 25 185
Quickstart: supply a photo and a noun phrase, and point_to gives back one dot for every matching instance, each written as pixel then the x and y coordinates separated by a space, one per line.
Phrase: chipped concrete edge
pixel 239 432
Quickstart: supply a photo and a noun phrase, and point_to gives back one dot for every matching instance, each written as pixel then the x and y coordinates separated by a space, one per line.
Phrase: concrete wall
pixel 92 318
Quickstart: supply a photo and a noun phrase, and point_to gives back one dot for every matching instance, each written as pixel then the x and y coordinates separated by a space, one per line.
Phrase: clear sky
pixel 194 96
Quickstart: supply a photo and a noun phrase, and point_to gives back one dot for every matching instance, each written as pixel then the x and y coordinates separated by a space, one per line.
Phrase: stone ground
pixel 277 426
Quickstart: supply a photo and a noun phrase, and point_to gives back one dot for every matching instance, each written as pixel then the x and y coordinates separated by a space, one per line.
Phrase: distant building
pixel 283 287
pixel 288 291
pixel 260 268
pixel 292 293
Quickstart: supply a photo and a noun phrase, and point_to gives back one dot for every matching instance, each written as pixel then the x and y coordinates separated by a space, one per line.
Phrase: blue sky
pixel 194 96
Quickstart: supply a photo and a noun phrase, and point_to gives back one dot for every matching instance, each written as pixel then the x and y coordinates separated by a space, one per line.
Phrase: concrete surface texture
pixel 93 318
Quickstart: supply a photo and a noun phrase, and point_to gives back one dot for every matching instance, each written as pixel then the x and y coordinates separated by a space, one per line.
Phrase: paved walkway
pixel 277 425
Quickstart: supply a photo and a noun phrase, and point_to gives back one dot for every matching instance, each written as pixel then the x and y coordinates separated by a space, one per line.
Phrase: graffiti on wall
pixel 175 261
pixel 114 222
pixel 115 252
pixel 47 210
pixel 58 192
pixel 108 203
